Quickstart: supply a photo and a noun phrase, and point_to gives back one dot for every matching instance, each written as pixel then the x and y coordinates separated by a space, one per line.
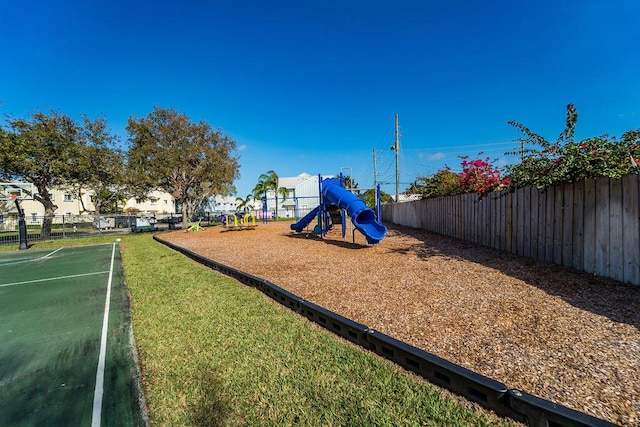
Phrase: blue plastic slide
pixel 300 225
pixel 363 217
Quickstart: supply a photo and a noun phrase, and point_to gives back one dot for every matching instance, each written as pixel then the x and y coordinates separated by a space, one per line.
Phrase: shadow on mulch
pixel 328 241
pixel 606 297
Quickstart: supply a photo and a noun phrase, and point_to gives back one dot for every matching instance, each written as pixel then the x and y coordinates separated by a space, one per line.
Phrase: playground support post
pixel 378 204
pixel 264 209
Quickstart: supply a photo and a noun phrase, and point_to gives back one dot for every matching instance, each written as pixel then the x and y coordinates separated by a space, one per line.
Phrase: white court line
pixel 53 278
pixel 49 254
pixel 31 260
pixel 99 390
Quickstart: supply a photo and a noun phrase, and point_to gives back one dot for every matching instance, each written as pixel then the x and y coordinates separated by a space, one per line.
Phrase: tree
pixel 349 183
pixel 443 183
pixel 370 198
pixel 269 181
pixel 544 164
pixel 45 150
pixel 189 160
pixel 5 206
pixel 244 204
pixel 102 168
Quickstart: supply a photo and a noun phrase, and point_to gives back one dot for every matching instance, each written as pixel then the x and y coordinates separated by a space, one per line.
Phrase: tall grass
pixel 215 352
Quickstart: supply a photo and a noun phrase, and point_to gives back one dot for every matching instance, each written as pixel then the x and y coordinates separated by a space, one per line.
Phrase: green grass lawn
pixel 215 352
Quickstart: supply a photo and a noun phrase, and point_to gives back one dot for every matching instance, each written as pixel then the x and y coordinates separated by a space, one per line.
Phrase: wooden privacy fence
pixel 592 225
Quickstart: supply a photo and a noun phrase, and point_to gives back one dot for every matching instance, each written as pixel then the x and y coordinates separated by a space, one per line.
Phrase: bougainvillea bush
pixel 480 176
pixel 542 163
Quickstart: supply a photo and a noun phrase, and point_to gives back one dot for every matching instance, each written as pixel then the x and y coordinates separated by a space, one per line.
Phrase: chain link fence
pixel 72 226
pixel 63 226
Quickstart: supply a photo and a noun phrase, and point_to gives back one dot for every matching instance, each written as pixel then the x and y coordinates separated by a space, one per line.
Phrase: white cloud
pixel 436 156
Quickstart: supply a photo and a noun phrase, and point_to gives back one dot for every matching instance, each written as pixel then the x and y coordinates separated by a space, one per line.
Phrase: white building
pixel 69 204
pixel 229 204
pixel 302 191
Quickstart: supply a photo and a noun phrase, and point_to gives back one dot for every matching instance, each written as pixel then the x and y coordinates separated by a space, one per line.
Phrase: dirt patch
pixel 562 335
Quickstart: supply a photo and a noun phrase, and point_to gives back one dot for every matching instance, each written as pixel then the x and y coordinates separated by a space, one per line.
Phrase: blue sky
pixel 313 86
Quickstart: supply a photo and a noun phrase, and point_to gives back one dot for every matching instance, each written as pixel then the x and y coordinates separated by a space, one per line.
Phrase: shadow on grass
pixel 212 409
pixel 606 297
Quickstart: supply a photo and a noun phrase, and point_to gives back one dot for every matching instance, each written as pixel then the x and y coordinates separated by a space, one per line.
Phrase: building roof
pixel 293 182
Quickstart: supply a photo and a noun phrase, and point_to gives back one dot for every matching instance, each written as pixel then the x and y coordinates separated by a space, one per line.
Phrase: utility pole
pixel 396 148
pixel 375 171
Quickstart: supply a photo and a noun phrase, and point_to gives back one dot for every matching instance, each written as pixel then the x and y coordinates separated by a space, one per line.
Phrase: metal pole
pixel 375 169
pixel 22 227
pixel 397 150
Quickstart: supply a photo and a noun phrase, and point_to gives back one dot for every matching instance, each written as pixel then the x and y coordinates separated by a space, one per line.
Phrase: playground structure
pixel 335 198
pixel 237 222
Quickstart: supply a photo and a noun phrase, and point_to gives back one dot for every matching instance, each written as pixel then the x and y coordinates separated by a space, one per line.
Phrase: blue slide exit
pixel 300 225
pixel 362 216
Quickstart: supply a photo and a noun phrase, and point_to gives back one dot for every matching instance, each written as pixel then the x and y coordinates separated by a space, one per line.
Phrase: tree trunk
pixel 184 212
pixel 44 197
pixel 45 234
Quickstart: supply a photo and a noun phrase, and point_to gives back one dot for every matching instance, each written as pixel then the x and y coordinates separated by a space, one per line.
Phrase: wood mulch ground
pixel 563 335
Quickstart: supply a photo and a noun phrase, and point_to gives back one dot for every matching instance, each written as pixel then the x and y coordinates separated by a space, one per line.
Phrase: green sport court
pixel 67 355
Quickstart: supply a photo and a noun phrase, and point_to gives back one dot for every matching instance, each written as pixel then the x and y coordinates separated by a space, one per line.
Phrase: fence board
pixel 426 220
pixel 481 223
pixel 445 217
pixel 456 211
pixel 474 219
pixel 616 269
pixel 509 222
pixel 631 227
pixel 558 219
pixel 578 225
pixel 453 214
pixel 503 222
pixel 441 208
pixel 590 226
pixel 459 214
pixel 542 229
pixel 466 232
pixel 486 221
pixel 602 227
pixel 534 223
pixel 549 218
pixel 526 218
pixel 495 232
pixel 520 222
pixel 567 225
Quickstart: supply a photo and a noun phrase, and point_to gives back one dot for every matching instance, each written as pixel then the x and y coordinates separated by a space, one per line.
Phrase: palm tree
pixel 243 204
pixel 284 192
pixel 267 181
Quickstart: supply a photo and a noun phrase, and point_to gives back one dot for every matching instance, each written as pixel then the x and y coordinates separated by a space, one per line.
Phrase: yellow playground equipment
pixel 235 222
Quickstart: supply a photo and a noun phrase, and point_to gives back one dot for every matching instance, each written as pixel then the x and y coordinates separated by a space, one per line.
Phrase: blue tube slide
pixel 300 225
pixel 363 217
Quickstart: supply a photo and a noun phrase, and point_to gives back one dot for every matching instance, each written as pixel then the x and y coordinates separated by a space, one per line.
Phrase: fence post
pixel 509 212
